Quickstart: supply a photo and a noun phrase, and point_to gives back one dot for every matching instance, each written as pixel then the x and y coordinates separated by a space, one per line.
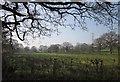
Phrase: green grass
pixel 62 66
pixel 107 59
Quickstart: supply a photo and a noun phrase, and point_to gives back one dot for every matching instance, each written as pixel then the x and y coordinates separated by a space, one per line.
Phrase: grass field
pixel 64 66
pixel 107 59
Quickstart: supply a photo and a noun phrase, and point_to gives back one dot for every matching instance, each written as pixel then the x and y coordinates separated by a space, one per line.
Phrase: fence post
pixel 71 62
pixel 54 68
pixel 97 63
pixel 32 67
pixel 101 69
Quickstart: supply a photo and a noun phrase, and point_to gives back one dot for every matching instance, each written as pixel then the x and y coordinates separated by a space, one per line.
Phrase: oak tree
pixel 39 19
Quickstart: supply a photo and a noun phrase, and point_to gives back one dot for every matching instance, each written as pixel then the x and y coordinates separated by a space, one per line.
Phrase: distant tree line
pixel 107 41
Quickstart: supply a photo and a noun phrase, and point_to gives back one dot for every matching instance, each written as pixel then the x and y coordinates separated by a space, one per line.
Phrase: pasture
pixel 107 59
pixel 47 66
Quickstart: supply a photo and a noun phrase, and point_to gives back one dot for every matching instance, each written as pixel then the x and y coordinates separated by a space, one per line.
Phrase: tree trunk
pixel 0 51
pixel 111 50
pixel 100 49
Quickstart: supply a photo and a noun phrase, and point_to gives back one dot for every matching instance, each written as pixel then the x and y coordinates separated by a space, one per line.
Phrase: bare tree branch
pixel 43 18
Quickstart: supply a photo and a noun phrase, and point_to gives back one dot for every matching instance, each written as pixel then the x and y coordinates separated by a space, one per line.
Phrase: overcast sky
pixel 69 35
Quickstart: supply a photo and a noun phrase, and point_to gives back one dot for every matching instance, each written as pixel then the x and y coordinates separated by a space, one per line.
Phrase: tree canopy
pixel 42 18
pixel 107 40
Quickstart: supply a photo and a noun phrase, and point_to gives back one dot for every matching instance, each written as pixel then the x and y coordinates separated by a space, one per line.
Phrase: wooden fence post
pixel 54 68
pixel 71 62
pixel 101 69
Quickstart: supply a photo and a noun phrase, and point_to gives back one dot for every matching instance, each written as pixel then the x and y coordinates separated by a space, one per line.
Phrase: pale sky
pixel 69 35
